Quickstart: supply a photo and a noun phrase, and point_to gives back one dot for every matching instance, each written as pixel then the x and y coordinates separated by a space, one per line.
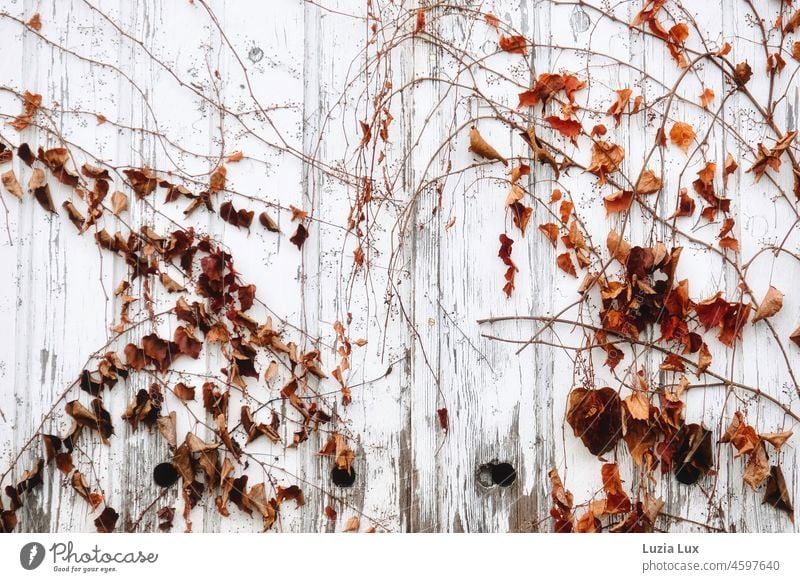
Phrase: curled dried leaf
pixel 481 147
pixel 770 305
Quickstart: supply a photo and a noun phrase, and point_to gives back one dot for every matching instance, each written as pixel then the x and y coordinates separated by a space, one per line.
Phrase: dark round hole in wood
pixel 343 478
pixel 165 475
pixel 503 474
pixel 484 475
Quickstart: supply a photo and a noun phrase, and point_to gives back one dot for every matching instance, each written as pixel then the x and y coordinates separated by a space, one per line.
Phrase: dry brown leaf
pixel 11 184
pixel 742 73
pixel 757 469
pixel 777 494
pixel 617 246
pixel 770 305
pixel 30 103
pixel 617 501
pixel 481 147
pixel 638 405
pixel 777 439
pixel 171 284
pixel 648 183
pixel 703 359
pixel 217 181
pixel 606 157
pixel 119 203
pixel 352 524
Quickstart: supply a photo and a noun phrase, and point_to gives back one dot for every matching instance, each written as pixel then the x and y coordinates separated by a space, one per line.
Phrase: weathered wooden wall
pixel 296 78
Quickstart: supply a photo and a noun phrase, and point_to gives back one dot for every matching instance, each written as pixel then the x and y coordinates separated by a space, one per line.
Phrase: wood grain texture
pixel 295 78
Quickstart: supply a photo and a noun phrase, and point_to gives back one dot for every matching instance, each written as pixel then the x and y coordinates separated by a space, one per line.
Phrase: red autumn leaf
pixel 566 127
pixel 513 44
pixel 735 319
pixel 444 421
pixel 711 311
pixel 547 85
pixel 521 214
pixel 107 520
pixel 299 237
pixel 511 270
pixel 419 24
pixel 240 218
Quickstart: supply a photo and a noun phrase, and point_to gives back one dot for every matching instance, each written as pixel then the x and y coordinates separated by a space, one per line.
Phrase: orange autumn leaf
pixel 550 230
pixel 565 210
pixel 706 97
pixel 679 33
pixel 30 103
pixel 792 23
pixel 730 243
pixel 564 263
pixel 606 158
pixel 617 501
pixel 491 20
pixel 730 167
pixel 35 23
pixel 682 135
pixel 547 85
pixel 771 157
pixel 686 204
pixel 619 201
pixel 618 107
pixel 235 156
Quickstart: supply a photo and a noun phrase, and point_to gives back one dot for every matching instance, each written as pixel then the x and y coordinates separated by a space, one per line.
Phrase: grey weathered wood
pixel 304 63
